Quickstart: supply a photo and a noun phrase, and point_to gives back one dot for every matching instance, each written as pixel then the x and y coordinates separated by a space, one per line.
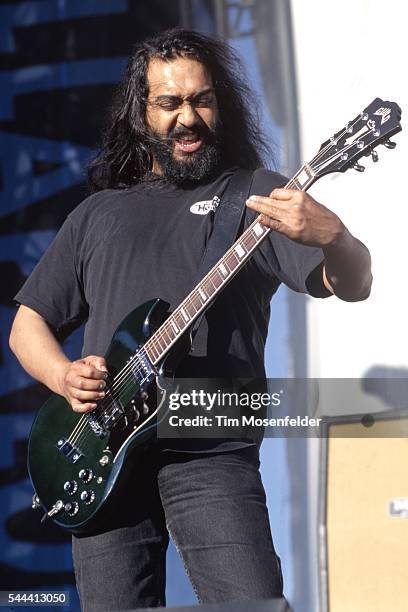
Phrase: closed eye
pixel 203 99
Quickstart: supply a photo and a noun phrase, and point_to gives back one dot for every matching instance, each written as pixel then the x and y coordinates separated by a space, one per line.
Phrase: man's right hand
pixel 34 343
pixel 82 382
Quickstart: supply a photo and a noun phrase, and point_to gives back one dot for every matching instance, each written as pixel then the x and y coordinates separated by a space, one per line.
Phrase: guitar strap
pixel 227 223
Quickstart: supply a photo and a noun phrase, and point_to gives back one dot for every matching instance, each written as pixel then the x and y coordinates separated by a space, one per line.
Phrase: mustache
pixel 195 130
pixel 166 140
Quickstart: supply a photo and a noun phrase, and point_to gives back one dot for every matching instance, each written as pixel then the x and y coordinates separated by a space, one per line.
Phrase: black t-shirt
pixel 120 248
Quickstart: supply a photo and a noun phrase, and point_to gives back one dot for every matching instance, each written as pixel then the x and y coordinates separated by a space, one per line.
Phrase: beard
pixel 189 168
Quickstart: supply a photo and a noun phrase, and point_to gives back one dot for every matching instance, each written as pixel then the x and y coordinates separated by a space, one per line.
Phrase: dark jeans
pixel 212 505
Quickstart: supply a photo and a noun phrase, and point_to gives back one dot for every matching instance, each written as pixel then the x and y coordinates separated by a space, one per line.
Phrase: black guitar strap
pixel 227 222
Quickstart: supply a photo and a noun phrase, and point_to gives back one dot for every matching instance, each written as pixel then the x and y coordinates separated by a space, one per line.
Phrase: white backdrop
pixel 348 53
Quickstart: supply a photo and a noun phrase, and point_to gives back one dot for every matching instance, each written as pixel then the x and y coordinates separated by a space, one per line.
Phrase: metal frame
pixel 228 16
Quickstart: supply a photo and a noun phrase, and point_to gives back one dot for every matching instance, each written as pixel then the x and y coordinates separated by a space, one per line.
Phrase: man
pixel 180 126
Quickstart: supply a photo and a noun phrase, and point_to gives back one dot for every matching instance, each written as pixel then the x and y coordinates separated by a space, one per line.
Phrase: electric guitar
pixel 75 460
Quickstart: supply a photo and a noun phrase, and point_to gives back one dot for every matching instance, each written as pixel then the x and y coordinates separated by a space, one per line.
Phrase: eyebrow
pixel 189 98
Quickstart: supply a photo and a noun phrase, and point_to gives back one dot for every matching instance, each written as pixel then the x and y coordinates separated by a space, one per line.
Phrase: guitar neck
pixel 216 279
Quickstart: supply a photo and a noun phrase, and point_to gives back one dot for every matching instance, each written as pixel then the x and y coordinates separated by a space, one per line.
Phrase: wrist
pixel 340 239
pixel 59 375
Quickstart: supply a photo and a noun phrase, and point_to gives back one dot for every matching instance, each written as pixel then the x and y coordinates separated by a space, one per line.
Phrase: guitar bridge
pixel 70 451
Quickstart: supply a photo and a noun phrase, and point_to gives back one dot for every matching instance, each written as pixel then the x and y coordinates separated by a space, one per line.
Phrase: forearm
pixel 348 267
pixel 36 348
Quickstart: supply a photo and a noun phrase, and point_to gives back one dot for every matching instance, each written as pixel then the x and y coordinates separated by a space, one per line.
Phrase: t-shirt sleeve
pixel 54 288
pixel 296 265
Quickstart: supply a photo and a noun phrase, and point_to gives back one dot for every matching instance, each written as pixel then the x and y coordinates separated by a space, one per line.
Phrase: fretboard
pixel 216 279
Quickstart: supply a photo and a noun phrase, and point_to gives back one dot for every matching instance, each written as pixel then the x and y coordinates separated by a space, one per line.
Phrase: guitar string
pixel 115 390
pixel 165 328
pixel 121 378
pixel 123 374
pixel 129 382
pixel 251 242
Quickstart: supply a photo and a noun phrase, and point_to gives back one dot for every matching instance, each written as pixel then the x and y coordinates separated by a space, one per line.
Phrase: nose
pixel 188 115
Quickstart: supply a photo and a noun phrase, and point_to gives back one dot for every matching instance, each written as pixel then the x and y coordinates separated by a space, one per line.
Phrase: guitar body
pixel 72 468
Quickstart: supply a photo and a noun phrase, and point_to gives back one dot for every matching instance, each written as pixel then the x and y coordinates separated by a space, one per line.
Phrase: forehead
pixel 178 77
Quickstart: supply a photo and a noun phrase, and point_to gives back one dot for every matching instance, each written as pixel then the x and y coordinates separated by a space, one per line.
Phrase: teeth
pixel 188 144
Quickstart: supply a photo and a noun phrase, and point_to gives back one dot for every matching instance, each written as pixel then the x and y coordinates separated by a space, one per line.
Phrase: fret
pixel 232 261
pixel 150 350
pixel 167 331
pixel 302 177
pixel 169 334
pixel 190 308
pixel 194 302
pixel 152 353
pixel 174 326
pixel 179 321
pixel 213 282
pixel 216 279
pixel 209 291
pixel 250 241
pixel 160 338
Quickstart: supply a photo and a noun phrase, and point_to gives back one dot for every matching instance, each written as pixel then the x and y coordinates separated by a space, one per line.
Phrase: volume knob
pixel 85 474
pixel 88 496
pixel 70 486
pixel 71 508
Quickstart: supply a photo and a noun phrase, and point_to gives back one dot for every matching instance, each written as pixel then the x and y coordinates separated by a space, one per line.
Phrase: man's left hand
pixel 298 216
pixel 295 214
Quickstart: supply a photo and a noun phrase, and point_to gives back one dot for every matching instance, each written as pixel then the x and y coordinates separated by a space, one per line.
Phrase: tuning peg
pixel 374 156
pixel 359 167
pixel 390 144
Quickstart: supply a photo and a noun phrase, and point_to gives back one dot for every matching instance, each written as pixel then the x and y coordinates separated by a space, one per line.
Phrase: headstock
pixel 373 126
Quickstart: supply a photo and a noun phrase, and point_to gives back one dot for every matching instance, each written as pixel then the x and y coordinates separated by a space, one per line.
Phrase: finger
pixel 268 206
pixel 86 396
pixel 87 370
pixel 88 384
pixel 284 194
pixel 274 224
pixel 97 362
pixel 81 407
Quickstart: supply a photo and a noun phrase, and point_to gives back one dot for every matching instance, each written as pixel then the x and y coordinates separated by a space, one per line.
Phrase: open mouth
pixel 189 144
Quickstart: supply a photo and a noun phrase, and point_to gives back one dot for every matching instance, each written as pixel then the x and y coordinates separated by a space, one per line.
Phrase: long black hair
pixel 124 158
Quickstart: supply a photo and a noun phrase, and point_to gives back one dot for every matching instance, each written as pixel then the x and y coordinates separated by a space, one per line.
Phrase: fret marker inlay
pixel 223 269
pixel 184 314
pixel 202 293
pixel 258 229
pixel 240 251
